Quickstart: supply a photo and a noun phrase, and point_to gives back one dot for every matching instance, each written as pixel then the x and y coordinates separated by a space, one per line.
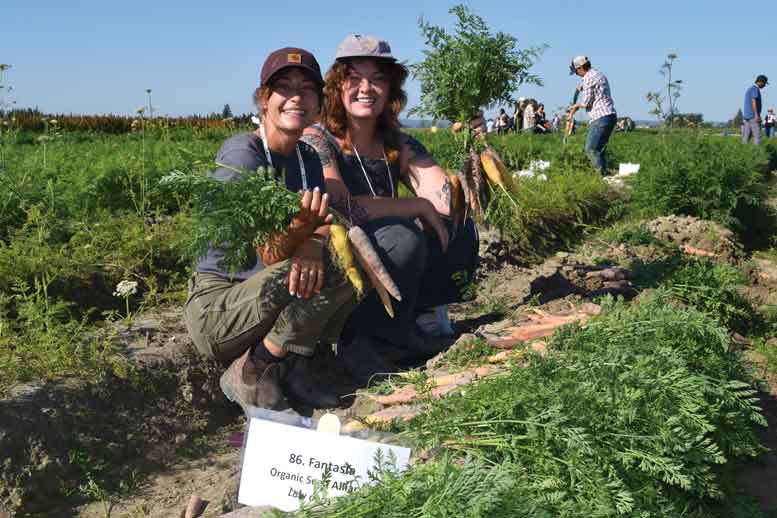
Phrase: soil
pixel 166 428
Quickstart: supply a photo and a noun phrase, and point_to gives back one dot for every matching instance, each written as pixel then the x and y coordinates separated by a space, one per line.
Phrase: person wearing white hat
pixel 769 122
pixel 597 101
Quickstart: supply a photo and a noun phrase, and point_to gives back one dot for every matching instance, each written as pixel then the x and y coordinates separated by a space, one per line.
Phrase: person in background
pixel 751 114
pixel 490 126
pixel 769 122
pixel 518 115
pixel 529 120
pixel 502 122
pixel 541 122
pixel 597 101
pixel 554 122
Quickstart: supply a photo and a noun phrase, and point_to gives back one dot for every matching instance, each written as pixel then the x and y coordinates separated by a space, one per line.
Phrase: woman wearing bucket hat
pixel 268 317
pixel 366 157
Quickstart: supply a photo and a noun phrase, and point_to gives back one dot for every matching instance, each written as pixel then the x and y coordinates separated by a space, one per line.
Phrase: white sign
pixel 281 462
pixel 626 169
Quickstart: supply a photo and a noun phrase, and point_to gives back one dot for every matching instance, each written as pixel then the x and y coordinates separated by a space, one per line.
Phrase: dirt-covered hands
pixel 313 213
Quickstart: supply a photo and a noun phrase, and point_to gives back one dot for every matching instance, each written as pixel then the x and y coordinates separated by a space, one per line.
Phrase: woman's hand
pixel 313 212
pixel 432 221
pixel 306 274
pixel 477 124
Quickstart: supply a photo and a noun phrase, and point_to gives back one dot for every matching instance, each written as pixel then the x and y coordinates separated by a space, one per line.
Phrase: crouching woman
pixel 265 317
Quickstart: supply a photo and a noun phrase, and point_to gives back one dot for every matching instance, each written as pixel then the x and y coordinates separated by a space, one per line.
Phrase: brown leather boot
pixel 251 382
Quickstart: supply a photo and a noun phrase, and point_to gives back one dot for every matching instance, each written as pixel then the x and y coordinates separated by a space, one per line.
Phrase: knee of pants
pixel 402 244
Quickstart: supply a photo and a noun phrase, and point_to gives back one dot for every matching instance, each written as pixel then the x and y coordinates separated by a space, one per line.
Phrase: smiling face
pixel 365 90
pixel 293 101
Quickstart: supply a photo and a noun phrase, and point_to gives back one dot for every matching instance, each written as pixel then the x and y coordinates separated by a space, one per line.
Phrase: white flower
pixel 140 110
pixel 125 288
pixel 53 121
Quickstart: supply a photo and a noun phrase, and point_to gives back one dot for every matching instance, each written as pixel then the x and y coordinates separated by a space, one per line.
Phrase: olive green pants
pixel 226 317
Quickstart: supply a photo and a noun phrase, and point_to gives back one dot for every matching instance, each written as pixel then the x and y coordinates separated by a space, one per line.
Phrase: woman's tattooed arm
pixel 424 176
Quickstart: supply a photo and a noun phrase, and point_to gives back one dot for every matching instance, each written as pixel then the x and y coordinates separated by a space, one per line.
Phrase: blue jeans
pixel 769 132
pixel 598 134
pixel 425 275
pixel 751 129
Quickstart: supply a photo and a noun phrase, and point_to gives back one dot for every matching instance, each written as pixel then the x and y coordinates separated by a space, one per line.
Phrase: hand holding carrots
pixel 306 274
pixel 477 124
pixel 314 212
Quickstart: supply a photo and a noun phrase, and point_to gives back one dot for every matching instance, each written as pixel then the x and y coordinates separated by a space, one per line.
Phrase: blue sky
pixel 100 56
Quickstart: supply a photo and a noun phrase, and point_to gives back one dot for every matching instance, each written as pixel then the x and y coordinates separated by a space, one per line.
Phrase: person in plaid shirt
pixel 597 101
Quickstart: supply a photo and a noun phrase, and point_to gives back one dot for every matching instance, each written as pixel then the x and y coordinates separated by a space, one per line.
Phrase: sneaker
pixel 435 321
pixel 250 382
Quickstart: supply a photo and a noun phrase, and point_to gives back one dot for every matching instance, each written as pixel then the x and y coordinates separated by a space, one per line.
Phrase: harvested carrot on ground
pixel 339 241
pixel 369 260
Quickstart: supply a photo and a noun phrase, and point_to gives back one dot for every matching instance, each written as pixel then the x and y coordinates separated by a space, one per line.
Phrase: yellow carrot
pixel 342 249
pixel 495 169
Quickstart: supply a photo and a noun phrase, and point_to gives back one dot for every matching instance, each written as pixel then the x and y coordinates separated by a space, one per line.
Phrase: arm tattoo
pixel 444 194
pixel 350 208
pixel 322 147
pixel 418 155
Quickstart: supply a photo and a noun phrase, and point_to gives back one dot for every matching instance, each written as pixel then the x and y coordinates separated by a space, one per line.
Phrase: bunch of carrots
pixel 234 214
pixel 470 192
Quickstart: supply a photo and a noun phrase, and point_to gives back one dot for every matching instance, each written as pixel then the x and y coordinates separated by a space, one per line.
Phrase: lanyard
pixel 302 172
pixel 366 177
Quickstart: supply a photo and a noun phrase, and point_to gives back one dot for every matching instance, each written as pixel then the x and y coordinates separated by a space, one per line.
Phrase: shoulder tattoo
pixel 322 146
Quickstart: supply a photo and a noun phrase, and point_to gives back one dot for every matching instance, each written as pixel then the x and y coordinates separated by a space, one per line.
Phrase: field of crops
pixel 641 413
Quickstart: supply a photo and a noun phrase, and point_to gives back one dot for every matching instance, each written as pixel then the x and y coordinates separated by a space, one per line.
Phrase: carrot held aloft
pixel 495 169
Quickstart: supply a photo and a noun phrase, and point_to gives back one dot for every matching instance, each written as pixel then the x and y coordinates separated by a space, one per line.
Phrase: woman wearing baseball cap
pixel 366 157
pixel 269 316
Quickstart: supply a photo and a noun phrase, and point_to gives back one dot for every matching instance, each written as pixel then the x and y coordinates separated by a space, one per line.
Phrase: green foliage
pixel 637 414
pixel 470 69
pixel 445 489
pixel 712 289
pixel 70 231
pixel 239 215
pixel 711 179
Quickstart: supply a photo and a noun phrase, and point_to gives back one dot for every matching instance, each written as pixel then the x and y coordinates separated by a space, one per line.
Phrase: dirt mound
pixel 559 277
pixel 697 236
pixel 69 433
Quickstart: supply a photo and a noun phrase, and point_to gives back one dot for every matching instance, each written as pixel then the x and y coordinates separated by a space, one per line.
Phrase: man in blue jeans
pixel 597 101
pixel 751 126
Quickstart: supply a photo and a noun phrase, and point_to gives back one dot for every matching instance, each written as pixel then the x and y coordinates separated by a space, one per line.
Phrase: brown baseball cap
pixel 290 57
